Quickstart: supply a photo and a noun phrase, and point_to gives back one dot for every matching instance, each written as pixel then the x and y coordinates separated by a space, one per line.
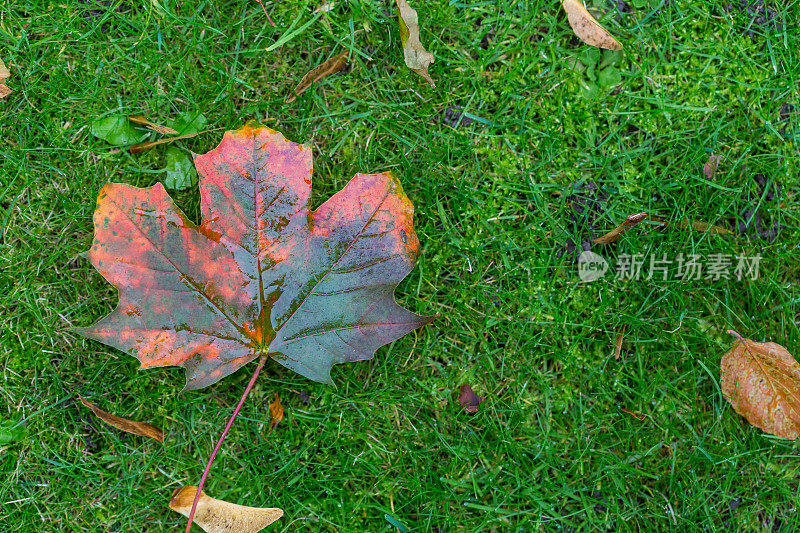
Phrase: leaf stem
pixel 261 362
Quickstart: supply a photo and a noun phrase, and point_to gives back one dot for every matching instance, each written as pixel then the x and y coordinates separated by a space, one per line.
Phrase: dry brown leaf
pixel 618 343
pixel 4 74
pixel 141 147
pixel 275 412
pixel 616 233
pixel 587 28
pixel 218 516
pixel 416 57
pixel 711 165
pixel 468 399
pixel 761 380
pixel 130 426
pixel 331 66
pixel 141 121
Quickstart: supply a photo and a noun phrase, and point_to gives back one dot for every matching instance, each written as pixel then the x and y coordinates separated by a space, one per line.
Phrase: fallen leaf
pixel 143 429
pixel 331 66
pixel 587 28
pixel 141 121
pixel 275 412
pixel 263 274
pixel 416 57
pixel 694 224
pixel 616 233
pixel 761 380
pixel 179 169
pixel 141 147
pixel 189 122
pixel 116 130
pixel 711 165
pixel 618 343
pixel 4 74
pixel 219 516
pixel 468 399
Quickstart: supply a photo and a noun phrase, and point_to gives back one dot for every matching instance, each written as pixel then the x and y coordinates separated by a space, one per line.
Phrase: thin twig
pixel 267 14
pixel 261 362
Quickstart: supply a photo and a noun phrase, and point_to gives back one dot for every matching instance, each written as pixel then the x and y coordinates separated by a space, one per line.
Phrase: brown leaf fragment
pixel 711 165
pixel 275 412
pixel 331 66
pixel 468 399
pixel 587 28
pixel 761 380
pixel 4 72
pixel 130 426
pixel 618 343
pixel 417 58
pixel 616 233
pixel 141 147
pixel 141 121
pixel 4 91
pixel 219 516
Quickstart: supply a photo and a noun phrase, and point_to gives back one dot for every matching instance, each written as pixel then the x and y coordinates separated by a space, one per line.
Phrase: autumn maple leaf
pixel 263 273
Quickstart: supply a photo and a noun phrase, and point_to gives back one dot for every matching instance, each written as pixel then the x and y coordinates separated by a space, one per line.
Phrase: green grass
pixel 551 448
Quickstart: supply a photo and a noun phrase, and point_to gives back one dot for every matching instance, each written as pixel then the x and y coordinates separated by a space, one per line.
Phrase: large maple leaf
pixel 263 273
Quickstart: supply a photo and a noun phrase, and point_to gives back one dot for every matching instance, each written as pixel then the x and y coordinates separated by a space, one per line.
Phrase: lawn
pixel 531 144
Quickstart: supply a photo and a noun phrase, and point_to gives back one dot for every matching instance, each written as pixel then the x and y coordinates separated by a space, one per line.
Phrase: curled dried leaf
pixel 761 380
pixel 468 399
pixel 587 28
pixel 616 233
pixel 275 412
pixel 331 66
pixel 219 516
pixel 711 165
pixel 141 121
pixel 416 57
pixel 141 147
pixel 143 429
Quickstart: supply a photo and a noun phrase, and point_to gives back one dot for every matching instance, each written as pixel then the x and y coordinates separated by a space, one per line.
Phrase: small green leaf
pixel 189 123
pixel 11 433
pixel 180 170
pixel 590 56
pixel 609 77
pixel 116 130
pixel 589 92
pixel 611 58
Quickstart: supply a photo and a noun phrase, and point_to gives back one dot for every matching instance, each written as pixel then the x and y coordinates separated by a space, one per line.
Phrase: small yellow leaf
pixel 143 429
pixel 416 57
pixel 761 380
pixel 587 28
pixel 275 412
pixel 219 516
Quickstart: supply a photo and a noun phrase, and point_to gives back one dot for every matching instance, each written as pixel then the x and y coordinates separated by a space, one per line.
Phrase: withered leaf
pixel 219 516
pixel 331 66
pixel 158 128
pixel 263 274
pixel 141 147
pixel 587 28
pixel 711 165
pixel 694 224
pixel 468 399
pixel 618 343
pixel 761 380
pixel 143 429
pixel 616 233
pixel 275 412
pixel 4 74
pixel 416 57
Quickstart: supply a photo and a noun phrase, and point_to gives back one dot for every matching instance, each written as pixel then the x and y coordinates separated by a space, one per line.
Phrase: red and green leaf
pixel 262 273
